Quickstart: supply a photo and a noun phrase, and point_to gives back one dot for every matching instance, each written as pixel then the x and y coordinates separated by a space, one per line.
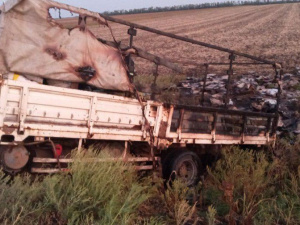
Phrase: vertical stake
pixel 132 32
pixel 268 128
pixel 244 125
pixel 204 83
pixel 153 86
pixel 180 121
pixel 230 74
pixel 214 127
pixel 278 75
pixel 79 145
pixel 125 153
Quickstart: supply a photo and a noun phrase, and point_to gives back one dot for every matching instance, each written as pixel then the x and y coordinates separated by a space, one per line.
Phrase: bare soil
pixel 268 31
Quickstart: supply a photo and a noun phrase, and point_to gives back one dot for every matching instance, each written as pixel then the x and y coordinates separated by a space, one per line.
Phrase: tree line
pixel 197 6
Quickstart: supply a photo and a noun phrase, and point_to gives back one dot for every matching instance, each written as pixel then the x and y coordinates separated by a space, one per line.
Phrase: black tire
pixel 186 166
pixel 167 162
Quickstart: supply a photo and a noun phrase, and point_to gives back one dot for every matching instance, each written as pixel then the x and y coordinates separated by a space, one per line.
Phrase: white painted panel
pixel 118 118
pixel 53 112
pixel 53 99
pixel 119 107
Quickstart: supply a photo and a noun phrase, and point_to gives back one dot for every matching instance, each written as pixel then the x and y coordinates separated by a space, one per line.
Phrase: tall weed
pixel 244 187
pixel 243 176
pixel 284 206
pixel 21 200
pixel 95 193
pixel 178 208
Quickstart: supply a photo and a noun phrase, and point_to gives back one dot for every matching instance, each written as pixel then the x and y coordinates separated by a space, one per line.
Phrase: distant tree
pixel 198 6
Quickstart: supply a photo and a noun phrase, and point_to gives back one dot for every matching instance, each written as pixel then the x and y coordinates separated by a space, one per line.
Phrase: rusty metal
pixel 194 63
pixel 148 56
pixel 230 74
pixel 214 127
pixel 154 85
pixel 132 32
pixel 55 154
pixel 268 129
pixel 243 128
pixel 88 160
pixel 189 40
pixel 79 145
pixel 224 111
pixel 204 84
pixel 92 160
pixel 14 158
pixel 238 63
pixel 126 150
pixel 233 53
pixel 278 76
pixel 180 122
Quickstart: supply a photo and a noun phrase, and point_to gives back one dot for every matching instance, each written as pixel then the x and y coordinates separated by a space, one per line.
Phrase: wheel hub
pixel 15 158
pixel 186 171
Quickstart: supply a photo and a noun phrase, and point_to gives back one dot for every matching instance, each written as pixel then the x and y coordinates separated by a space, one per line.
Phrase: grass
pixel 296 87
pixel 243 187
pixel 254 187
pixel 93 194
pixel 165 89
pixel 163 81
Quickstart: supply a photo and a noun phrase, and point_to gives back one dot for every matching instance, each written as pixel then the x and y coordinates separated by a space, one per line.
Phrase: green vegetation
pixel 94 194
pixel 252 188
pixel 296 87
pixel 243 187
pixel 163 81
pixel 165 89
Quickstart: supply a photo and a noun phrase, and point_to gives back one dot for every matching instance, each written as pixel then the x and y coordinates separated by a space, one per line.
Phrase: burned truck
pixel 44 114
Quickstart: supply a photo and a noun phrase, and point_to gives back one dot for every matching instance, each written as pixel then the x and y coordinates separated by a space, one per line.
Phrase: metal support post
pixel 244 126
pixel 125 153
pixel 278 75
pixel 204 83
pixel 230 74
pixel 132 32
pixel 154 85
pixel 79 145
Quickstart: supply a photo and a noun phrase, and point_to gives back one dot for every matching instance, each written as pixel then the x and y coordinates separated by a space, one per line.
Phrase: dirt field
pixel 269 31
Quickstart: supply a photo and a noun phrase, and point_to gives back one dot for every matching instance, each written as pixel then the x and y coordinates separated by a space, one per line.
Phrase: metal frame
pixel 232 57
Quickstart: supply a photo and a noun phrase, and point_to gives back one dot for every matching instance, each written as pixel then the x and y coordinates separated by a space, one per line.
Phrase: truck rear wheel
pixel 185 166
pixel 14 158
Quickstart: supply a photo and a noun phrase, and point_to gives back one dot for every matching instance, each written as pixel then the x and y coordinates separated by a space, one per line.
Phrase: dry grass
pixel 243 187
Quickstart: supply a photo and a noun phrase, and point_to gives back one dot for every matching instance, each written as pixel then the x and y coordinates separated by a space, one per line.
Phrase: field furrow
pixel 269 31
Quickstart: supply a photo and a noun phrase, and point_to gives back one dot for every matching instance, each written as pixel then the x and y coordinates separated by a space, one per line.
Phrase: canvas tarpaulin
pixel 33 43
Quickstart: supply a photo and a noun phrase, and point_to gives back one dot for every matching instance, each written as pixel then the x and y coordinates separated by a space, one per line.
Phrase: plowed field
pixel 268 31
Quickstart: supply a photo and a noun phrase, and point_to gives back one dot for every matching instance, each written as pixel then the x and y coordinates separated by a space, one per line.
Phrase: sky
pixel 111 5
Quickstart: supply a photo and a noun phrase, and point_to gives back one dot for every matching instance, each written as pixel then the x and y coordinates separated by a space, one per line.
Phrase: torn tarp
pixel 33 43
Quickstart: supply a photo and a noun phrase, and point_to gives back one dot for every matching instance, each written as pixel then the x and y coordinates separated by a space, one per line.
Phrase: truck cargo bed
pixel 30 109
